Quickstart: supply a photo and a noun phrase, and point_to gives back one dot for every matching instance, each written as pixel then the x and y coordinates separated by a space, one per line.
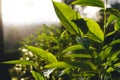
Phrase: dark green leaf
pixel 43 54
pixel 82 25
pixel 96 3
pixel 66 15
pixel 23 62
pixel 84 42
pixel 113 11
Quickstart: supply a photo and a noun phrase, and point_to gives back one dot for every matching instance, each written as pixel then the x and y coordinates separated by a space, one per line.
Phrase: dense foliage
pixel 84 50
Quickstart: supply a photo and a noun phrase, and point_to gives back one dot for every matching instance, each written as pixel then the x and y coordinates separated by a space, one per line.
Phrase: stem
pixel 105 17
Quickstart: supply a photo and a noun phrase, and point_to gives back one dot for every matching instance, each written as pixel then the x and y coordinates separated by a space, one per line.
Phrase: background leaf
pixel 23 62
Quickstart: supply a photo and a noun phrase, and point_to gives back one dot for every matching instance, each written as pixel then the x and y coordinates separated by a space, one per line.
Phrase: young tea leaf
pixel 66 15
pixel 96 3
pixel 95 33
pixel 43 54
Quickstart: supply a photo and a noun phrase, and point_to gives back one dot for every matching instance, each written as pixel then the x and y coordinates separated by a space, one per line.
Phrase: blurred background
pixel 20 18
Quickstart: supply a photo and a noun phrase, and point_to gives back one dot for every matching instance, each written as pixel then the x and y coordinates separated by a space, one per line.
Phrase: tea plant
pixel 94 55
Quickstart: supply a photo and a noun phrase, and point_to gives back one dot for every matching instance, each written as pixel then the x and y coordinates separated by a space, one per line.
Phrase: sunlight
pixel 28 12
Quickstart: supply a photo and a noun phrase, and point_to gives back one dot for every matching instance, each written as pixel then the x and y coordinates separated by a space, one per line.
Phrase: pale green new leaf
pixel 66 15
pixel 43 54
pixel 37 75
pixel 23 62
pixel 96 3
pixel 95 33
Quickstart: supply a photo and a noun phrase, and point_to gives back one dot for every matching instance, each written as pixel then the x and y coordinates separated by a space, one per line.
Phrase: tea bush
pixel 84 50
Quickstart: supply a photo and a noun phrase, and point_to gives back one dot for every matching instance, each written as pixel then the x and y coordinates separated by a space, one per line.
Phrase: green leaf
pixel 96 3
pixel 117 64
pixel 117 25
pixel 110 34
pixel 83 41
pixel 23 62
pixel 81 65
pixel 66 15
pixel 84 65
pixel 43 54
pixel 110 69
pixel 111 19
pixel 90 29
pixel 73 48
pixel 37 75
pixel 115 42
pixel 81 23
pixel 114 56
pixel 105 53
pixel 63 34
pixel 113 11
pixel 95 33
pixel 59 65
pixel 78 55
pixel 43 36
